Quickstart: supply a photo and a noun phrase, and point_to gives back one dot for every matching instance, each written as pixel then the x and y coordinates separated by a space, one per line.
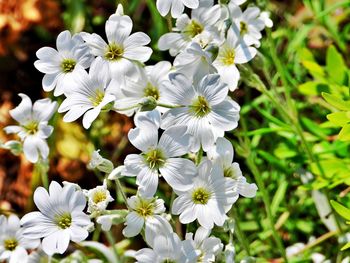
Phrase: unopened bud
pixel 149 103
pixel 100 163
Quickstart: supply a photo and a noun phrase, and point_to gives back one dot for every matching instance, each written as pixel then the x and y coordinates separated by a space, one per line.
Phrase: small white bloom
pixel 159 157
pixel 122 49
pixel 189 30
pixel 146 212
pixel 195 63
pixel 207 110
pixel 232 52
pixel 33 126
pixel 113 217
pixel 147 84
pixel 61 218
pixel 222 154
pixel 13 245
pixel 168 248
pixel 210 198
pixel 208 247
pixel 98 198
pixel 265 16
pixel 63 66
pixel 177 6
pixel 247 25
pixel 93 93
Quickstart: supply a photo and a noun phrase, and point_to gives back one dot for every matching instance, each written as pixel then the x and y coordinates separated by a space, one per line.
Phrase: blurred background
pixel 302 29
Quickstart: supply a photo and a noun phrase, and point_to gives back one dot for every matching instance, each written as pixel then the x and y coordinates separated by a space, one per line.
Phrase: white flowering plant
pixel 181 114
pixel 176 193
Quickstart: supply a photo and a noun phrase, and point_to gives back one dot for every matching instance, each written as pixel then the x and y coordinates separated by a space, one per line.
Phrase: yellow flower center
pixel 227 56
pixel 154 158
pixel 68 65
pixel 97 98
pixel 114 52
pixel 152 91
pixel 200 107
pixel 145 208
pixel 64 221
pixel 193 29
pixel 229 172
pixel 201 196
pixel 31 127
pixel 243 28
pixel 10 244
pixel 99 196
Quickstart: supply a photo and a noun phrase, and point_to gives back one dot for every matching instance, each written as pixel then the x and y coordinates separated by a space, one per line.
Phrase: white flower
pixel 195 63
pixel 98 198
pixel 13 245
pixel 222 154
pixel 168 248
pixel 208 247
pixel 63 66
pixel 122 49
pixel 61 218
pixel 93 93
pixel 159 157
pixel 102 164
pixel 232 52
pixel 147 84
pixel 208 112
pixel 265 16
pixel 146 212
pixel 187 30
pixel 33 128
pixel 177 6
pixel 210 198
pixel 248 24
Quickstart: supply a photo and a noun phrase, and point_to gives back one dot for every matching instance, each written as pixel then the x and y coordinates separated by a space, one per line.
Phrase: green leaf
pixel 346 246
pixel 336 101
pixel 314 69
pixel 284 151
pixel 339 118
pixel 279 196
pixel 313 127
pixel 335 65
pixel 313 88
pixel 341 210
pixel 344 134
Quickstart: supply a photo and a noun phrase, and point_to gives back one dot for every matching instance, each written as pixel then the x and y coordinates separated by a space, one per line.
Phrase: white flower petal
pixel 134 224
pixel 179 173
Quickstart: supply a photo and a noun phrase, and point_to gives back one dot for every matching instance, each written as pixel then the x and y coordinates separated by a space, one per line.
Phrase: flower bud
pixel 148 104
pixel 100 163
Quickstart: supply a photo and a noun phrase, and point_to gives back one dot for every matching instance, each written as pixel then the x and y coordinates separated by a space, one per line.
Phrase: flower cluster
pixel 181 113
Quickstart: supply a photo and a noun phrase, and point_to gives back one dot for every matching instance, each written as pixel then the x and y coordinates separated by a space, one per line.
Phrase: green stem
pixel 267 203
pixel 120 188
pixel 40 171
pixel 262 189
pixel 168 106
pixel 239 232
pixel 97 232
pixel 111 242
pixel 169 21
